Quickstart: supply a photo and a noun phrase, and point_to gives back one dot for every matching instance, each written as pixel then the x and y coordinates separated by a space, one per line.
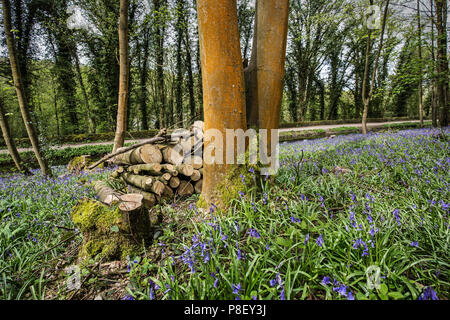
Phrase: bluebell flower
pixel 326 280
pixel 396 215
pixel 342 290
pixel 350 296
pixel 306 239
pixel 319 241
pixel 152 294
pixel 414 244
pixel 236 288
pixel 282 296
pixel 428 294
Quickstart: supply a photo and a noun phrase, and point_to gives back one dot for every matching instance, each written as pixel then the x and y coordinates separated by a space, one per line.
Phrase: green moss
pixel 102 239
pixel 238 179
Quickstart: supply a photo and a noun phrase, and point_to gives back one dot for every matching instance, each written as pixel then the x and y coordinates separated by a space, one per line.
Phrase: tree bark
pixel 121 126
pixel 420 87
pixel 160 32
pixel 9 141
pixel 18 84
pixel 442 63
pixel 266 71
pixel 91 119
pixel 223 85
pixel 368 96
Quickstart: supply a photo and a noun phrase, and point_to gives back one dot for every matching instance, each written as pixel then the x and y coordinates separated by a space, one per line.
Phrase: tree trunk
pixel 160 31
pixel 192 106
pixel 223 86
pixel 271 46
pixel 368 96
pixel 9 141
pixel 265 74
pixel 420 88
pixel 121 127
pixel 18 84
pixel 91 120
pixel 180 28
pixel 442 62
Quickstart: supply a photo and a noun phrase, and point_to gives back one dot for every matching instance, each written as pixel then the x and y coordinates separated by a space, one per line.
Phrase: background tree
pixel 123 77
pixel 20 91
pixel 9 141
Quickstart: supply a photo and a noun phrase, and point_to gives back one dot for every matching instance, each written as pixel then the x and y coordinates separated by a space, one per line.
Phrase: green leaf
pixel 383 289
pixel 115 229
pixel 303 225
pixel 396 295
pixel 284 242
pixel 360 296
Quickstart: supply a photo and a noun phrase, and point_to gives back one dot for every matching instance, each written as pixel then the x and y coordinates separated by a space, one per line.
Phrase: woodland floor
pixel 337 207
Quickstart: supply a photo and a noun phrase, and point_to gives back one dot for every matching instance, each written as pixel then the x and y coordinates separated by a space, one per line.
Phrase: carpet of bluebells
pixel 34 227
pixel 341 211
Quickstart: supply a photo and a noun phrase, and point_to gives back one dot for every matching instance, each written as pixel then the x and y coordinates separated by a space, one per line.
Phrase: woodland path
pixel 323 127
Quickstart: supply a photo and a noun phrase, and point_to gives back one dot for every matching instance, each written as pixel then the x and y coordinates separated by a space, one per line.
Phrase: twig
pixel 61 242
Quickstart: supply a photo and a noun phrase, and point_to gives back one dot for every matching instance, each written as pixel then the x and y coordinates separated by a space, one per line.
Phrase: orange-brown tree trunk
pixel 121 127
pixel 265 74
pixel 20 91
pixel 223 85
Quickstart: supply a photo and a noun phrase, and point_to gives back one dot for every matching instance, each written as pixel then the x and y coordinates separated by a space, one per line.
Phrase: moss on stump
pixel 81 163
pixel 105 231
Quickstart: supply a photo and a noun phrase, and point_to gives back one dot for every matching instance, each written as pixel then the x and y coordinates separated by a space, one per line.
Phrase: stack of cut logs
pixel 164 171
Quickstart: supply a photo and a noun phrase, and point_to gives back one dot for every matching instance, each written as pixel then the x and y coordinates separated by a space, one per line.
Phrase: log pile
pixel 164 170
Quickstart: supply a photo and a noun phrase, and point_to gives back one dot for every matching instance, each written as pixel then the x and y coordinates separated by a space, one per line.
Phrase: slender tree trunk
pixel 143 85
pixel 200 81
pixel 442 62
pixel 9 141
pixel 433 78
pixel 192 106
pixel 23 104
pixel 223 86
pixel 179 62
pixel 121 127
pixel 368 96
pixel 55 107
pixel 160 32
pixel 91 121
pixel 420 88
